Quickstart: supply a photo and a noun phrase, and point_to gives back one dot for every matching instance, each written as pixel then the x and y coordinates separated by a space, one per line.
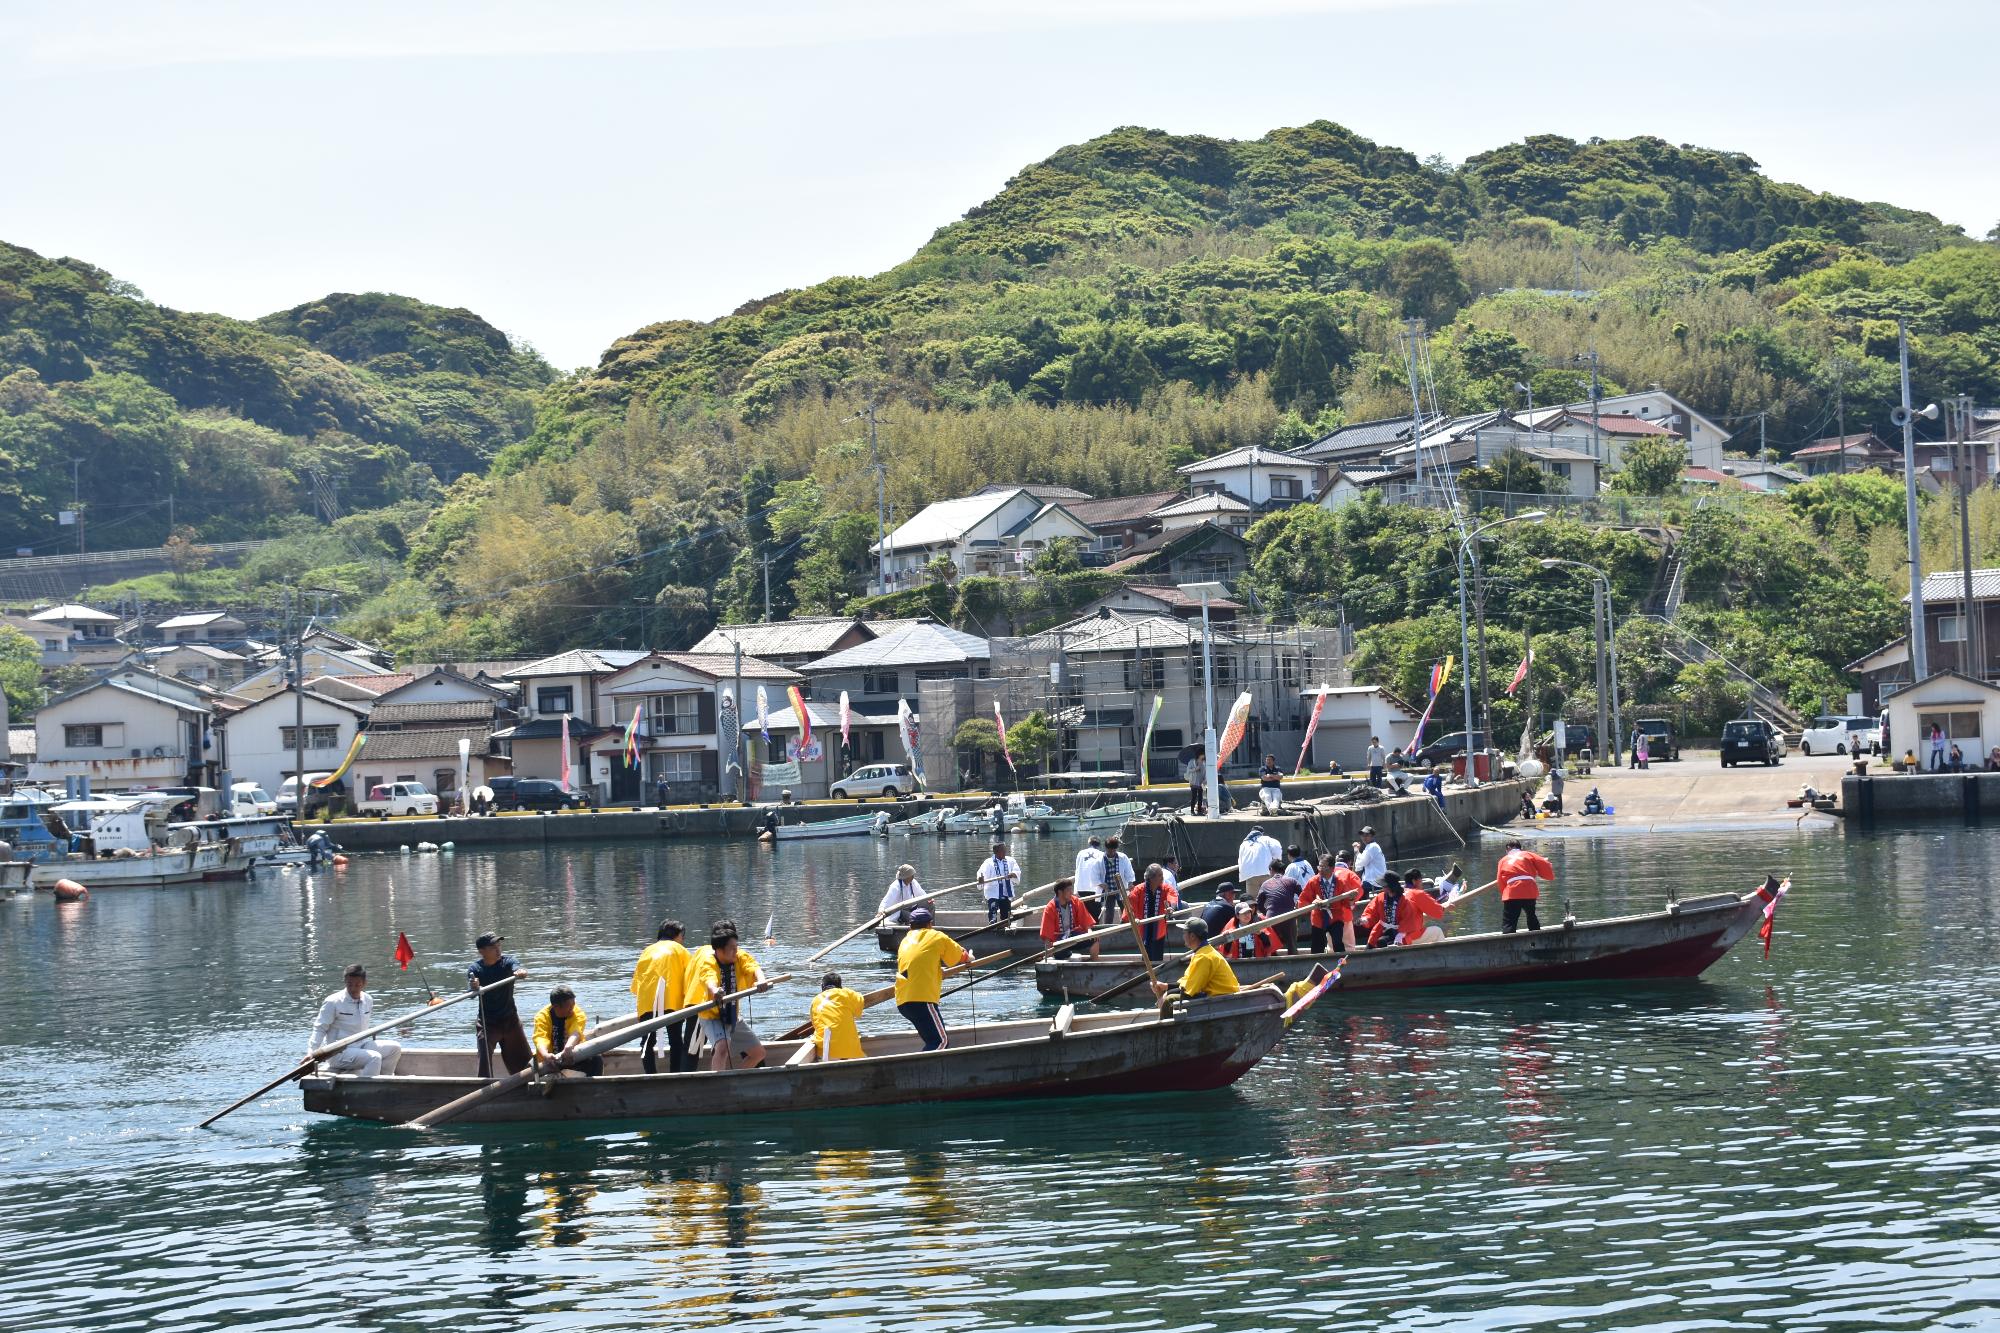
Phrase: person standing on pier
pixel 1208 972
pixel 1517 874
pixel 346 1012
pixel 1378 761
pixel 1064 916
pixel 659 986
pixel 920 964
pixel 1369 863
pixel 1153 898
pixel 901 889
pixel 999 877
pixel 499 1021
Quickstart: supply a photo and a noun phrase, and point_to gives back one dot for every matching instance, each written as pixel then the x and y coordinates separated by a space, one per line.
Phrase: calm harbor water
pixel 1808 1143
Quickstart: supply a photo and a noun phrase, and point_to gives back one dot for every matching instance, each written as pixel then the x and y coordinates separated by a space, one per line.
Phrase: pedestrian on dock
pixel 499 1022
pixel 720 969
pixel 1957 760
pixel 1369 862
pixel 1208 973
pixel 1434 787
pixel 1066 915
pixel 558 1028
pixel 1556 789
pixel 659 986
pixel 1271 784
pixel 347 1011
pixel 1153 898
pixel 1518 874
pixel 901 889
pixel 920 964
pixel 1937 748
pixel 1197 784
pixel 1378 761
pixel 999 878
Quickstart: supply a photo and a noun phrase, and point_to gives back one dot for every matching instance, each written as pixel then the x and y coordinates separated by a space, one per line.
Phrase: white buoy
pixel 405 850
pixel 427 847
pixel 447 846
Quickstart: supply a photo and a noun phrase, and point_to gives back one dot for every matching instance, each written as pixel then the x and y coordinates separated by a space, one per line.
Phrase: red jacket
pixel 1517 873
pixel 1414 906
pixel 1262 943
pixel 1080 920
pixel 1316 890
pixel 1166 899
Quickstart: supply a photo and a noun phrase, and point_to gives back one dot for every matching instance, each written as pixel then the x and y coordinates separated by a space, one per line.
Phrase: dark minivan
pixel 1750 740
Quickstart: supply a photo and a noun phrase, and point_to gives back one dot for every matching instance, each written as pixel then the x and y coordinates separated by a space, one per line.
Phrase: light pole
pixel 1465 629
pixel 1209 757
pixel 1607 650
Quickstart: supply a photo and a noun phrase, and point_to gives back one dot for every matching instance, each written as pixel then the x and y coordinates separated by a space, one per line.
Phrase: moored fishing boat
pixel 1679 942
pixel 1198 1045
pixel 123 842
pixel 15 876
pixel 847 826
pixel 1103 819
pixel 1023 936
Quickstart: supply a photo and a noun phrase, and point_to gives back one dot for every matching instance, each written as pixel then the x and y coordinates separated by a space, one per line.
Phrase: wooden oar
pixel 880 917
pixel 1067 942
pixel 1148 975
pixel 305 1066
pixel 872 998
pixel 583 1050
pixel 1458 898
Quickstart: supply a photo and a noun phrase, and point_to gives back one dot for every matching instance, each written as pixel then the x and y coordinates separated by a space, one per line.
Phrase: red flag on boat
pixel 404 953
pixel 1770 893
pixel 1521 671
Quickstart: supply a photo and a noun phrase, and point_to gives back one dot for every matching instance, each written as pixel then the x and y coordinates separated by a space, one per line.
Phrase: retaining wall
pixel 1906 798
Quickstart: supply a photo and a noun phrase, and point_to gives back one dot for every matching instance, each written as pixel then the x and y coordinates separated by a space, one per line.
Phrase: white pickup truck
pixel 398 798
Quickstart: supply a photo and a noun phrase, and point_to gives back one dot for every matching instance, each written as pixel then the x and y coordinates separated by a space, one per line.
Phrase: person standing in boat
pixel 1517 873
pixel 1254 856
pixel 999 879
pixel 1369 863
pixel 1089 875
pixel 901 889
pixel 1278 895
pixel 833 1012
pixel 499 1021
pixel 347 1011
pixel 559 1027
pixel 1208 972
pixel 1150 899
pixel 1324 924
pixel 1067 915
pixel 659 986
pixel 1119 879
pixel 1297 866
pixel 720 969
pixel 920 964
pixel 1170 866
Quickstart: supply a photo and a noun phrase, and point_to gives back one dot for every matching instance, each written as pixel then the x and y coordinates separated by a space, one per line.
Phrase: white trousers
pixel 370 1059
pixel 1430 933
pixel 1270 796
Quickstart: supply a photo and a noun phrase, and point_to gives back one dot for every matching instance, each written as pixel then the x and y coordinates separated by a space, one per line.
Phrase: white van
pixel 247 798
pixel 288 795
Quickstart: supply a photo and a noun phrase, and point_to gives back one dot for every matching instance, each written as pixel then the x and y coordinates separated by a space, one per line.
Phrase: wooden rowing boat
pixel 847 826
pixel 1023 936
pixel 1204 1044
pixel 1103 819
pixel 1680 942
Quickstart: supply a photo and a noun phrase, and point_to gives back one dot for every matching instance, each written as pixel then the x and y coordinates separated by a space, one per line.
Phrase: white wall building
pixel 259 738
pixel 1352 714
pixel 1705 438
pixel 994 533
pixel 129 730
pixel 1264 478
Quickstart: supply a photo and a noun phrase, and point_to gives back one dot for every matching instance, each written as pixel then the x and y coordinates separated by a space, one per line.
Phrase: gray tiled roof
pixel 1945 585
pixel 921 644
pixel 783 638
pixel 581 662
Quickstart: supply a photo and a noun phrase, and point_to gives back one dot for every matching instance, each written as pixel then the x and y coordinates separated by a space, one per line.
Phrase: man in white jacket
pixel 344 1013
pixel 904 887
pixel 1254 857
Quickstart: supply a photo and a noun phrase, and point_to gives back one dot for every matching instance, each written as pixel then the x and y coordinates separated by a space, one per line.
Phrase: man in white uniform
pixel 1370 864
pixel 344 1013
pixel 903 888
pixel 999 880
pixel 1254 857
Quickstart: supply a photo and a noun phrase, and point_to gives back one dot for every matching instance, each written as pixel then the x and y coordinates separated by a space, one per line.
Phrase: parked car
pixel 1751 740
pixel 247 798
pixel 399 798
pixel 1834 733
pixel 1577 737
pixel 1448 747
pixel 1661 742
pixel 873 780
pixel 539 794
pixel 316 797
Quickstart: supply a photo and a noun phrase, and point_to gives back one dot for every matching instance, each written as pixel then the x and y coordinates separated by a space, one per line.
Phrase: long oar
pixel 874 997
pixel 880 917
pixel 305 1066
pixel 597 1045
pixel 1458 898
pixel 1252 927
pixel 1067 942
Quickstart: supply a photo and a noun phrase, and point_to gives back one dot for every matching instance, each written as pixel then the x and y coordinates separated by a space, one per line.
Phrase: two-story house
pixel 878 673
pixel 1120 522
pixel 1705 439
pixel 201 627
pixel 415 730
pixel 557 690
pixel 1864 451
pixel 1262 478
pixel 260 737
pixel 680 699
pixel 78 636
pixel 994 533
pixel 130 729
pixel 793 643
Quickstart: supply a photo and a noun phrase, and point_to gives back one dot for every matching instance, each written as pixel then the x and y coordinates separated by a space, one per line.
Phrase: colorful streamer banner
pixel 1232 732
pixel 1001 723
pixel 1440 677
pixel 353 753
pixel 565 762
pixel 632 734
pixel 764 715
pixel 799 711
pixel 1521 671
pixel 846 720
pixel 906 723
pixel 1146 744
pixel 1312 725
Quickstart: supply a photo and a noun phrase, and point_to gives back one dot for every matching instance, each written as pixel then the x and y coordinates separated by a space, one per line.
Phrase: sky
pixel 575 172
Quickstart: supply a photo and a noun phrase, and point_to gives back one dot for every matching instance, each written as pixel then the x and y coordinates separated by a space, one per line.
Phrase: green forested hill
pixel 382 396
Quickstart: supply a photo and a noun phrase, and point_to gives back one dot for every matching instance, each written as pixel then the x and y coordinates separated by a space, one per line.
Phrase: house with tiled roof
pixel 133 728
pixel 1705 438
pixel 1206 552
pixel 995 533
pixel 876 674
pixel 1260 477
pixel 1862 451
pixel 688 715
pixel 262 737
pixel 1217 507
pixel 1121 521
pixel 1162 599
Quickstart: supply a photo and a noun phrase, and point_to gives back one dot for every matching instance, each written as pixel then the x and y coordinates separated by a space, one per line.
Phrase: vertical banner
pixel 1312 725
pixel 1146 742
pixel 727 727
pixel 464 772
pixel 906 722
pixel 846 721
pixel 631 747
pixel 1001 724
pixel 1440 677
pixel 764 716
pixel 565 762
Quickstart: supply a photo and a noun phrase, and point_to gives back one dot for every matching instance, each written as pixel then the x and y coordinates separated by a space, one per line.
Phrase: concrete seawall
pixel 1907 798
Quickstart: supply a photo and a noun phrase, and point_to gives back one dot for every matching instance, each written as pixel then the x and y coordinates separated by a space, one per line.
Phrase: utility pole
pixel 881 507
pixel 1597 610
pixel 1592 360
pixel 1972 656
pixel 1919 667
pixel 1840 408
pixel 766 562
pixel 1760 434
pixel 1413 329
pixel 1479 623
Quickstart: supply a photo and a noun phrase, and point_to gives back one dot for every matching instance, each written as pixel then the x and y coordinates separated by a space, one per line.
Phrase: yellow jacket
pixel 704 972
pixel 834 1011
pixel 1208 973
pixel 545 1028
pixel 920 965
pixel 662 969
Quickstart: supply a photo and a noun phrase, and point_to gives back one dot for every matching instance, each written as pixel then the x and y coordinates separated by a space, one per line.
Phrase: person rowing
pixel 920 963
pixel 722 968
pixel 1066 915
pixel 904 887
pixel 1208 972
pixel 559 1026
pixel 344 1013
pixel 1517 874
pixel 499 1021
pixel 999 880
pixel 660 986
pixel 1278 896
pixel 1220 913
pixel 1397 914
pixel 833 1011
pixel 1331 924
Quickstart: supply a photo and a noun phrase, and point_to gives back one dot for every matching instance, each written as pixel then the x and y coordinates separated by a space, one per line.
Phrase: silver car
pixel 873 780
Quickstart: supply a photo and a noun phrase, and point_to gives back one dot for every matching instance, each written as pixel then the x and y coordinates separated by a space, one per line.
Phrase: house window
pixel 674 714
pixel 885 682
pixel 444 780
pixel 88 737
pixel 552 699
pixel 1150 674
pixel 1951 629
pixel 317 738
pixel 677 766
pixel 1286 488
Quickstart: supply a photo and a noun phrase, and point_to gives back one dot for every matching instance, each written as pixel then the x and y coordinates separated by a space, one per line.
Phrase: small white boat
pixel 931 821
pixel 119 841
pixel 1104 819
pixel 848 826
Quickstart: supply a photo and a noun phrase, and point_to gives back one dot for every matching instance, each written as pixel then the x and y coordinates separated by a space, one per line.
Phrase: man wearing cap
pixel 920 963
pixel 1369 862
pixel 659 986
pixel 499 1021
pixel 724 968
pixel 1066 915
pixel 999 878
pixel 1208 972
pixel 558 1028
pixel 344 1013
pixel 903 888
pixel 1220 914
pixel 1254 857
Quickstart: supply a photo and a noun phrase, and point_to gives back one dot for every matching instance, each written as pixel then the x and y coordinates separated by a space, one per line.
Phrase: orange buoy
pixel 69 891
pixel 340 860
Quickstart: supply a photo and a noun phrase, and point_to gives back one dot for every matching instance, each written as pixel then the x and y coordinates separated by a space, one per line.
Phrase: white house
pixel 559 687
pixel 202 627
pixel 77 636
pixel 992 533
pixel 678 697
pixel 1968 710
pixel 127 730
pixel 1352 714
pixel 1224 510
pixel 1704 437
pixel 1263 478
pixel 259 738
pixel 203 663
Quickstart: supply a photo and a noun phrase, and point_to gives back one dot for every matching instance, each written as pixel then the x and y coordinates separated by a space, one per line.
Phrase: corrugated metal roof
pixel 195 619
pixel 784 638
pixel 1121 631
pixel 581 662
pixel 944 521
pixel 718 666
pixel 921 644
pixel 1361 435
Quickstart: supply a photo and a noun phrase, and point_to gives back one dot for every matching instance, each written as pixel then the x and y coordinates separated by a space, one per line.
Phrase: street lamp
pixel 1208 754
pixel 1607 646
pixel 1465 631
